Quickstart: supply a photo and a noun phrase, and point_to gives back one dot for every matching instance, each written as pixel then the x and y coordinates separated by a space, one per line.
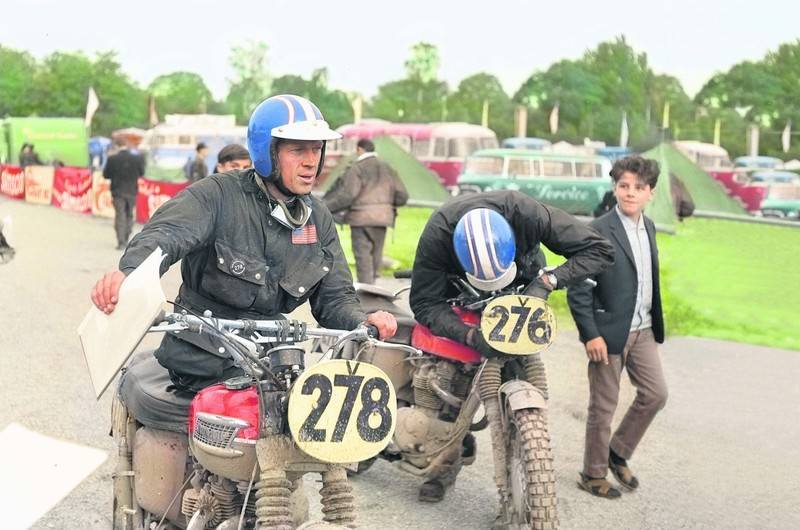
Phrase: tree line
pixel 592 93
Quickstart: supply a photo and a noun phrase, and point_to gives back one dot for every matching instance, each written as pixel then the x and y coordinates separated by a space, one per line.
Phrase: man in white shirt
pixel 620 323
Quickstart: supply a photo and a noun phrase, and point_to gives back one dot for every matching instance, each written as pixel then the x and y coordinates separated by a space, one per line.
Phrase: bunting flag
pixel 717 131
pixel 92 104
pixel 623 130
pixel 153 114
pixel 485 113
pixel 554 120
pixel 786 136
pixel 665 117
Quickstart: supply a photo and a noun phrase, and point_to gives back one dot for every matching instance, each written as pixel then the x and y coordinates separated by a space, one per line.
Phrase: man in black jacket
pixel 253 244
pixel 620 323
pixel 533 223
pixel 124 169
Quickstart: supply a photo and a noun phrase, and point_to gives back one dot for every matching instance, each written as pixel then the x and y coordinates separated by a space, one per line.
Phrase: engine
pixel 217 499
pixel 426 429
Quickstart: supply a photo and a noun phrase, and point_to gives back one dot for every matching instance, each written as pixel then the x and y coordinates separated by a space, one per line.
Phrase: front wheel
pixel 529 464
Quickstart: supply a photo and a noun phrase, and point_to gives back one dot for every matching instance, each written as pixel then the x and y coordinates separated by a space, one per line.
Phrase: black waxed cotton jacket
pixel 239 262
pixel 587 253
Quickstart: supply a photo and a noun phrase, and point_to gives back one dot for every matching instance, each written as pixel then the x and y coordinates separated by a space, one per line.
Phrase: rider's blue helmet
pixel 284 117
pixel 485 246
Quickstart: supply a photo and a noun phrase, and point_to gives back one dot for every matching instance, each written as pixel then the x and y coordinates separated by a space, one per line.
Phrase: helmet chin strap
pixel 282 212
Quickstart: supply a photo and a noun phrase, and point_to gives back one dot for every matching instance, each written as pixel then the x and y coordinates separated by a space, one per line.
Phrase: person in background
pixel 620 322
pixel 367 195
pixel 233 156
pixel 198 169
pixel 124 168
pixel 681 200
pixel 28 157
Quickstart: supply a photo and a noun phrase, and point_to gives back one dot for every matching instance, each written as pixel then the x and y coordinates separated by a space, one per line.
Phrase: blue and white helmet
pixel 485 246
pixel 284 117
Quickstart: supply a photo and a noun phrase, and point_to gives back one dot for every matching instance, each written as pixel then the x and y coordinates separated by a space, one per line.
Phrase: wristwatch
pixel 553 280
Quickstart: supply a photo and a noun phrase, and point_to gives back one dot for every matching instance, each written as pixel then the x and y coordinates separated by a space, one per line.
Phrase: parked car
pixel 574 183
pixel 782 201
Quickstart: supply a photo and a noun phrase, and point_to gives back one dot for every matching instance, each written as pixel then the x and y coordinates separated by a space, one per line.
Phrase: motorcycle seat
pixel 148 393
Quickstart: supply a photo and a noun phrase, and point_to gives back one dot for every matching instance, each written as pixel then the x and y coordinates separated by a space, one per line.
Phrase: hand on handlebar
pixel 385 322
pixel 540 288
pixel 105 293
pixel 476 341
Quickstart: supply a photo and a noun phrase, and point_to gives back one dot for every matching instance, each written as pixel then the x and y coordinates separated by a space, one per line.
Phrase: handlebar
pixel 402 275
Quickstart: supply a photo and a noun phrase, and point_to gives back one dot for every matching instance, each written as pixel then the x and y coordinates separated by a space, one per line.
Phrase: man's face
pixel 298 161
pixel 202 153
pixel 241 163
pixel 632 194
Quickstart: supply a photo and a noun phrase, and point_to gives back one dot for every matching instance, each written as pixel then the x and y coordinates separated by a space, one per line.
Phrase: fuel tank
pixel 425 340
pixel 223 429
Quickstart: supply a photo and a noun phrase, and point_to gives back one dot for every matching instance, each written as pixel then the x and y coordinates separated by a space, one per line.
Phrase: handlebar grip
pixel 402 275
pixel 372 331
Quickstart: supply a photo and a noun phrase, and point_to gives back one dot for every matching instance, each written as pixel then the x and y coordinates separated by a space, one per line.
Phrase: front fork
pixel 489 387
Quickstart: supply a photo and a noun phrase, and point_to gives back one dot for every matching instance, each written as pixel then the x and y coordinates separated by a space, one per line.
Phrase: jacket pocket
pixel 302 280
pixel 238 276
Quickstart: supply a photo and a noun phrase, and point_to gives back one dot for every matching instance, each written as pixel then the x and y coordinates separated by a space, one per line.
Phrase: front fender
pixel 520 395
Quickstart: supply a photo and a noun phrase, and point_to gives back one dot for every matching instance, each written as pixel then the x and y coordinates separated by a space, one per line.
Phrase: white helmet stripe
pixel 490 237
pixel 289 107
pixel 471 245
pixel 307 108
pixel 481 244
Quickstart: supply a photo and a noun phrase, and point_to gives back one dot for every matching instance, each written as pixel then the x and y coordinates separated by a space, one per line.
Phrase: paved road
pixel 724 453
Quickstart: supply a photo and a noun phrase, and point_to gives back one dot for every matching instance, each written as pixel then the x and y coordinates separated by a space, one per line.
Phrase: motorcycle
pixel 239 460
pixel 440 393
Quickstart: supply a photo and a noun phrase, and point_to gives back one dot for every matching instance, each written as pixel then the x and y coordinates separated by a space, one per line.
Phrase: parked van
pixel 706 156
pixel 574 183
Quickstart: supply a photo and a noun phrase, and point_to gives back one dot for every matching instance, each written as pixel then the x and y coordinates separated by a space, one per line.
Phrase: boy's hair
pixel 366 145
pixel 200 146
pixel 645 169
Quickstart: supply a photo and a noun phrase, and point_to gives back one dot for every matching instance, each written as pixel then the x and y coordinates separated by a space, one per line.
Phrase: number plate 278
pixel 518 324
pixel 342 411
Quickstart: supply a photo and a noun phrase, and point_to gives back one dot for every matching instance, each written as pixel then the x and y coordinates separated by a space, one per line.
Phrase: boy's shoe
pixel 624 475
pixel 599 487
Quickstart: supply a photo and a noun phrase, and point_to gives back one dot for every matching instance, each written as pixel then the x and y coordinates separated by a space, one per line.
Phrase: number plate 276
pixel 342 411
pixel 518 324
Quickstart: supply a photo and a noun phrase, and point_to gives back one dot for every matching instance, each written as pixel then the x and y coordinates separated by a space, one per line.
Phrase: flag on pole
pixel 92 104
pixel 554 120
pixel 358 108
pixel 623 130
pixel 786 136
pixel 665 117
pixel 485 113
pixel 717 131
pixel 521 121
pixel 153 114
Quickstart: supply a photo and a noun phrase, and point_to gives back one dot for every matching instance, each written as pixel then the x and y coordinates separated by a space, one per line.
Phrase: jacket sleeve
pixel 183 224
pixel 343 194
pixel 579 298
pixel 587 252
pixel 334 304
pixel 400 191
pixel 430 283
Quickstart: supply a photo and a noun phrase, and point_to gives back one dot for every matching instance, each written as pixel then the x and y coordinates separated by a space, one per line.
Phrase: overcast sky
pixel 364 44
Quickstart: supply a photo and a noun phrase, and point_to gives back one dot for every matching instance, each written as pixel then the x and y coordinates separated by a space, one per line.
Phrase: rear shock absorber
pixel 535 373
pixel 338 504
pixel 272 501
pixel 490 382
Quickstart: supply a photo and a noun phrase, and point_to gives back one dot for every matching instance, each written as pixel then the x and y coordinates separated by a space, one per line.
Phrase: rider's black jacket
pixel 239 262
pixel 586 251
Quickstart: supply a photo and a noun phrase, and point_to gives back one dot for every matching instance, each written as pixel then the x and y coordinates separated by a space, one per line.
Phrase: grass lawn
pixel 720 279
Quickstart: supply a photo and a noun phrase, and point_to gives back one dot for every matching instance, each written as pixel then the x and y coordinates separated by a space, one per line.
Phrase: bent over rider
pixel 492 240
pixel 253 243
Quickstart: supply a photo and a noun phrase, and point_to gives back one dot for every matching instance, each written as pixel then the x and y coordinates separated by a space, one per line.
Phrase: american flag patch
pixel 305 235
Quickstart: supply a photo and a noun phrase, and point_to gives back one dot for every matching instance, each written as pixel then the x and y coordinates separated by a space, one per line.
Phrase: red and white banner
pixel 12 182
pixel 153 194
pixel 39 184
pixel 72 189
pixel 102 202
